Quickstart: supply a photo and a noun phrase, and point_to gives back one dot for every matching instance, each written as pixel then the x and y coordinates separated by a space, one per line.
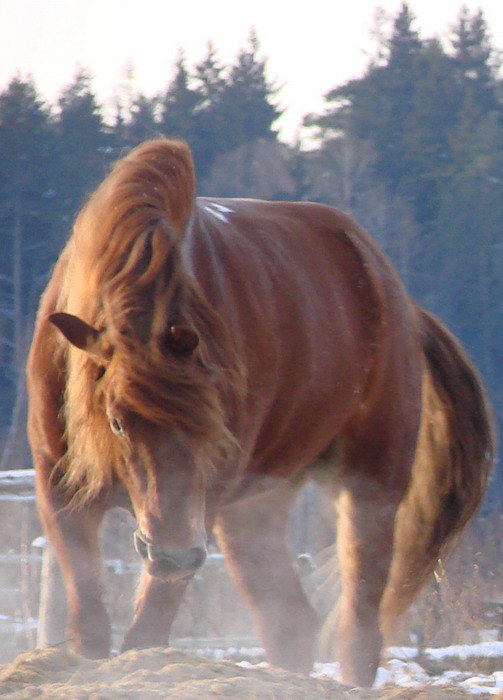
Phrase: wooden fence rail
pixel 18 484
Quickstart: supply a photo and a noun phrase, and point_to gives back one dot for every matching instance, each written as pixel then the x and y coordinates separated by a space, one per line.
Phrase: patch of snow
pixel 327 670
pixel 402 669
pixel 248 664
pixel 498 677
pixel 466 651
pixel 402 673
pixel 403 653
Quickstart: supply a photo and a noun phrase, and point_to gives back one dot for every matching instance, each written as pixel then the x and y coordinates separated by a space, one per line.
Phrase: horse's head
pixel 167 489
pixel 163 466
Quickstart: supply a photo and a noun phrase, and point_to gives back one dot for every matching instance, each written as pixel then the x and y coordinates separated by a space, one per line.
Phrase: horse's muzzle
pixel 169 564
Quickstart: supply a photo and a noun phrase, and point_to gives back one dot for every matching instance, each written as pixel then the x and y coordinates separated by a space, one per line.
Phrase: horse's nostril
pixel 182 559
pixel 172 559
pixel 196 557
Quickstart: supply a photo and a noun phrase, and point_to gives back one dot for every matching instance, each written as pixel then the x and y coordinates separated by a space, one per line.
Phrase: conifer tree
pixel 467 255
pixel 247 99
pixel 27 197
pixel 235 106
pixel 83 145
pixel 475 61
pixel 179 105
pixel 377 107
pixel 141 123
pixel 209 126
pixel 434 112
pixel 408 104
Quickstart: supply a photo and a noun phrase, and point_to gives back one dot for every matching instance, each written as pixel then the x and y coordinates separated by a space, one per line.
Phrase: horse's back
pixel 314 307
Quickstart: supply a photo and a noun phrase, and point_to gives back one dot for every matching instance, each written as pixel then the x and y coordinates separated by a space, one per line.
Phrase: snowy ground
pixel 402 668
pixel 474 668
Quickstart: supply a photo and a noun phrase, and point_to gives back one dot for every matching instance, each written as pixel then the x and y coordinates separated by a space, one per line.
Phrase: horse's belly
pixel 288 442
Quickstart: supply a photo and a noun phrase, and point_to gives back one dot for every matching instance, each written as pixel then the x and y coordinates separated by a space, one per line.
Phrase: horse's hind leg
pixel 253 535
pixel 365 527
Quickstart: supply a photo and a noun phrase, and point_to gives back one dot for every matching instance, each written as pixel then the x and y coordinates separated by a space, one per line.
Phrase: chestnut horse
pixel 193 359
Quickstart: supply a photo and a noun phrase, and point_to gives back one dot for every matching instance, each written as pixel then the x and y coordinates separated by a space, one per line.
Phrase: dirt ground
pixel 172 673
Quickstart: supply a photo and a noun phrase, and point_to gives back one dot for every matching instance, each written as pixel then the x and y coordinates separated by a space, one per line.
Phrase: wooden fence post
pixel 52 608
pixel 19 485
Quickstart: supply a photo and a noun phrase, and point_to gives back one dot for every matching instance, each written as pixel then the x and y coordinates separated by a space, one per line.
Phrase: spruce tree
pixel 247 100
pixel 468 262
pixel 434 112
pixel 27 198
pixel 209 127
pixel 377 107
pixel 84 146
pixel 141 123
pixel 475 61
pixel 235 106
pixel 179 105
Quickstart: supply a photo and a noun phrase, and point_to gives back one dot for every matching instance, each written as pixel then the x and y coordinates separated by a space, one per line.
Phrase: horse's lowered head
pixel 153 438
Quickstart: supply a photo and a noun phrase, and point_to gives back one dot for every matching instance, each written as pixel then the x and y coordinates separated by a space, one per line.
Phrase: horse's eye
pixel 117 427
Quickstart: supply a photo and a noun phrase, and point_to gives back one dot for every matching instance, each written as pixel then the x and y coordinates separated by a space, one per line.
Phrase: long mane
pixel 125 275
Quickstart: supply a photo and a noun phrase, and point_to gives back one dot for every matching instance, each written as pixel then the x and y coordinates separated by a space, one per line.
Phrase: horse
pixel 195 361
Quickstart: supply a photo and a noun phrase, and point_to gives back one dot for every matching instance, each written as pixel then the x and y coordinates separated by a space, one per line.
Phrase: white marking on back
pixel 221 207
pixel 220 211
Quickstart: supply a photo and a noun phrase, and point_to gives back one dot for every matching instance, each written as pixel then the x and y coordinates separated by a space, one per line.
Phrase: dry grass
pixel 453 609
pixel 456 607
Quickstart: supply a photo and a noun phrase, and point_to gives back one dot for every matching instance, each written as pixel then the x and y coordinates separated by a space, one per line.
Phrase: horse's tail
pixel 453 460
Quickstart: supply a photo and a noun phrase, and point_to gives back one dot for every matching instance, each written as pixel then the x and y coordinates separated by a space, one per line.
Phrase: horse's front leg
pixel 157 602
pixel 74 535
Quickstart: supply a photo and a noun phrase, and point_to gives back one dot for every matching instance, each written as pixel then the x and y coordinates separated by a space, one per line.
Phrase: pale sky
pixel 310 46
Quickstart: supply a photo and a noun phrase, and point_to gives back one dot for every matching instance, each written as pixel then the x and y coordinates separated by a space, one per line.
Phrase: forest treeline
pixel 413 149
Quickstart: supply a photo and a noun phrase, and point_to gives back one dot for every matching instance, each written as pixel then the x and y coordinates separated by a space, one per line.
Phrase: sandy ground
pixel 172 673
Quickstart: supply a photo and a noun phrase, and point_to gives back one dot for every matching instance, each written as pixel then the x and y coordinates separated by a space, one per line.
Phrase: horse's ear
pixel 77 332
pixel 182 340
